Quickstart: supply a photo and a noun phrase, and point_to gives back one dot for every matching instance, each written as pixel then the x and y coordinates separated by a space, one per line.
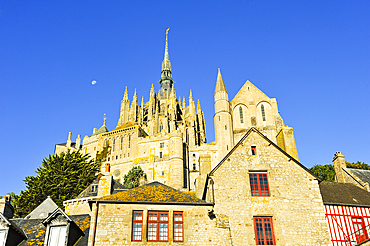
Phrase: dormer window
pixel 3 234
pixel 60 229
pixel 57 236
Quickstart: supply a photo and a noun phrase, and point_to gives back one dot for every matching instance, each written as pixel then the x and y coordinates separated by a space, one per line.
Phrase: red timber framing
pixel 341 223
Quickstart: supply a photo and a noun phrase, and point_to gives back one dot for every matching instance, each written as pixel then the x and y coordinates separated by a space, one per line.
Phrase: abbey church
pixel 245 188
pixel 167 137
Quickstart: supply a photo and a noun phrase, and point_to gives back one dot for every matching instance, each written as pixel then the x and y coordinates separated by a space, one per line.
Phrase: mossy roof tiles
pixel 154 192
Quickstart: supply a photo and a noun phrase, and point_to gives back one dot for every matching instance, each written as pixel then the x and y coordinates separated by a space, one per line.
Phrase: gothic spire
pixel 166 74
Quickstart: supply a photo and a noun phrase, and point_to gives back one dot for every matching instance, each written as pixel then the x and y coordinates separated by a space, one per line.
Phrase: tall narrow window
pixel 107 167
pixel 241 114
pixel 137 226
pixel 129 141
pixel 264 231
pixel 160 155
pixel 57 235
pixel 157 226
pixel 114 144
pixel 263 113
pixel 121 142
pixel 259 184
pixel 254 150
pixel 160 127
pixel 194 167
pixel 178 229
pixel 360 230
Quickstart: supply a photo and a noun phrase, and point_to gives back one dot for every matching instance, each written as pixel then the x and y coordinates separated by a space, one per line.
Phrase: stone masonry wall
pixel 114 225
pixel 295 202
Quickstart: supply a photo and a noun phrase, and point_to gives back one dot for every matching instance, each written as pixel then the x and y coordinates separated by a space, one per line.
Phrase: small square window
pixel 264 231
pixel 259 184
pixel 161 145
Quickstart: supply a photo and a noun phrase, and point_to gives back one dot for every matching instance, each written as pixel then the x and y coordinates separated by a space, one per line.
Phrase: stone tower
pixel 223 119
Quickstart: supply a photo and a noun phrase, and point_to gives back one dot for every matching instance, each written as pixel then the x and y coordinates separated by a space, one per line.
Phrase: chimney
pixel 339 165
pixel 105 185
pixel 6 208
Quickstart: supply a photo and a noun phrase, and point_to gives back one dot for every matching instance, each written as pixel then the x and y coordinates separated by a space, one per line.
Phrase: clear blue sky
pixel 313 56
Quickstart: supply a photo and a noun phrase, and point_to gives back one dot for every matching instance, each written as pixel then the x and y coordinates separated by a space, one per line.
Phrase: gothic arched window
pixel 121 142
pixel 241 114
pixel 114 144
pixel 129 141
pixel 263 113
pixel 160 127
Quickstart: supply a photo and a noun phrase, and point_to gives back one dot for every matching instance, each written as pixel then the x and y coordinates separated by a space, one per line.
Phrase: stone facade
pixel 114 225
pixel 294 202
pixel 167 137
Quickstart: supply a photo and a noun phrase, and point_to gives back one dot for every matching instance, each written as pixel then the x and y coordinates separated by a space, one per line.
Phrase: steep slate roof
pixel 345 194
pixel 102 129
pixel 43 210
pixel 364 175
pixel 35 230
pixel 156 193
pixel 252 129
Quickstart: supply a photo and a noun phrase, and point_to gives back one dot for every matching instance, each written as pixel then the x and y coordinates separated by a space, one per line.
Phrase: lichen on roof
pixel 154 192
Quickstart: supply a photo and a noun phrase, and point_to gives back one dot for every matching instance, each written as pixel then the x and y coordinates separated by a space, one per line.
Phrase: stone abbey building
pixel 167 137
pixel 246 188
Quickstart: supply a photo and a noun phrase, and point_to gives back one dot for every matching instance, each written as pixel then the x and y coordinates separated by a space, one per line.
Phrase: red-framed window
pixel 157 226
pixel 360 230
pixel 137 226
pixel 264 231
pixel 259 184
pixel 254 150
pixel 178 228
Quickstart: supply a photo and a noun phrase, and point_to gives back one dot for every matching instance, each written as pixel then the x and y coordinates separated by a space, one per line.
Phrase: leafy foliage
pixel 131 179
pixel 324 172
pixel 61 176
pixel 358 165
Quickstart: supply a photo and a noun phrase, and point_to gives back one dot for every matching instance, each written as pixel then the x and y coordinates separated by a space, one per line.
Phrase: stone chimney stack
pixel 6 208
pixel 339 166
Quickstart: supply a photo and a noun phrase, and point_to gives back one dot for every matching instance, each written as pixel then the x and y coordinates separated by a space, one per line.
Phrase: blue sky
pixel 313 56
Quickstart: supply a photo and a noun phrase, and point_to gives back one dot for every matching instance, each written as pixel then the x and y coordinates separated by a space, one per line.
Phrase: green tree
pixel 324 172
pixel 131 179
pixel 61 176
pixel 358 165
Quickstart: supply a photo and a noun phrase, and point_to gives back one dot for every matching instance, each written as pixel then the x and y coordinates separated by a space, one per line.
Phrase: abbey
pixel 167 136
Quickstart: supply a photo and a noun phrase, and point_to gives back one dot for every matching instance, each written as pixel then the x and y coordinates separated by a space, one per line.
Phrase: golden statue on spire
pixel 167 31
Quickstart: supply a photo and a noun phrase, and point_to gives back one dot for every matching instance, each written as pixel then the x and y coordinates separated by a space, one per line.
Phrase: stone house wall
pixel 114 225
pixel 295 202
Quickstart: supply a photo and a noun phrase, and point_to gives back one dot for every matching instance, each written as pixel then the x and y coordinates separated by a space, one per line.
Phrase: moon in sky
pixel 93 82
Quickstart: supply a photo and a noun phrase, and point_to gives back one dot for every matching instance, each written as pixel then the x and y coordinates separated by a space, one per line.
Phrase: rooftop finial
pixel 105 118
